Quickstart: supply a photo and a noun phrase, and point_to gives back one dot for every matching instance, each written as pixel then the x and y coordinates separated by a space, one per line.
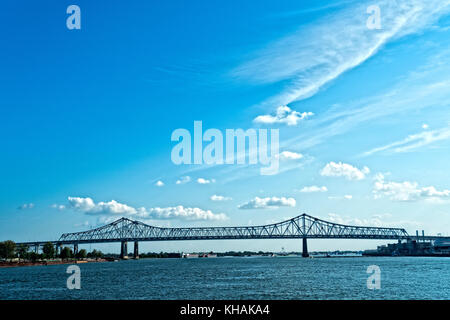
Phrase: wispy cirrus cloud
pixel 319 53
pixel 426 88
pixel 376 220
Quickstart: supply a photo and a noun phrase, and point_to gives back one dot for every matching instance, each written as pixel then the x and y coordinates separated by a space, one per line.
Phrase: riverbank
pixel 12 264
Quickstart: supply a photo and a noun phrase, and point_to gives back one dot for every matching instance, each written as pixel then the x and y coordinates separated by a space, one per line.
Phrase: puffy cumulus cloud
pixel 219 198
pixel 289 155
pixel 159 183
pixel 269 202
pixel 346 197
pixel 88 206
pixel 183 180
pixel 59 207
pixel 348 171
pixel 314 189
pixel 26 206
pixel 180 212
pixel 205 181
pixel 407 191
pixel 112 210
pixel 283 115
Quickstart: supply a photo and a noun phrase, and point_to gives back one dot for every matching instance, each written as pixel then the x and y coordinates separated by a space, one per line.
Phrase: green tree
pixel 22 250
pixel 49 250
pixel 82 254
pixel 95 254
pixel 7 249
pixel 66 253
pixel 33 256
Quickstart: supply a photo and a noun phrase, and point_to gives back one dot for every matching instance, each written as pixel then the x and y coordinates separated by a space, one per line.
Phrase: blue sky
pixel 87 115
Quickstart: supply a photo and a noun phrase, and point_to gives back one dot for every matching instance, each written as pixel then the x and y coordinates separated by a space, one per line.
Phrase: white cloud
pixel 88 206
pixel 205 181
pixel 269 202
pixel 283 115
pixel 407 191
pixel 159 183
pixel 180 212
pixel 183 180
pixel 219 198
pixel 26 206
pixel 322 51
pixel 425 126
pixel 346 197
pixel 59 207
pixel 83 224
pixel 289 155
pixel 348 171
pixel 376 220
pixel 413 141
pixel 113 208
pixel 314 189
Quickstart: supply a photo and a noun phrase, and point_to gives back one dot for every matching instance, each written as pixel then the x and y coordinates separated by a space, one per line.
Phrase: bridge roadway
pixel 304 226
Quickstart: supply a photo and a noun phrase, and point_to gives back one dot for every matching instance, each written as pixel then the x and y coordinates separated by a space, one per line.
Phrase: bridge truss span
pixel 303 226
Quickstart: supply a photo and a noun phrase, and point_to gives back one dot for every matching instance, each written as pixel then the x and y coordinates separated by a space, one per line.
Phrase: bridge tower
pixel 136 250
pixel 75 249
pixel 305 253
pixel 124 250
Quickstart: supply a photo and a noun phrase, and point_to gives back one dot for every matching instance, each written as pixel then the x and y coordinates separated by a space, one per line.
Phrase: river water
pixel 235 278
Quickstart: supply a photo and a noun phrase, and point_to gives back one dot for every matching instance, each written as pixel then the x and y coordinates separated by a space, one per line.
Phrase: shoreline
pixel 46 263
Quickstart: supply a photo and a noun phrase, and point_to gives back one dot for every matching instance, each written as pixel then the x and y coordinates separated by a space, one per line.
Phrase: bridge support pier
pixel 124 250
pixel 75 249
pixel 305 253
pixel 136 250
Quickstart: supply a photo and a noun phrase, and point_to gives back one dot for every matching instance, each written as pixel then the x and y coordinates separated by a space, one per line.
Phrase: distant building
pixel 412 248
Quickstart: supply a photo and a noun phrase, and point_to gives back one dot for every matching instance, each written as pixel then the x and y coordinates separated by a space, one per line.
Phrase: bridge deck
pixel 303 226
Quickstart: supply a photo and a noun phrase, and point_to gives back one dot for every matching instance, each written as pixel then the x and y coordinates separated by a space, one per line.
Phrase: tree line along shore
pixel 21 255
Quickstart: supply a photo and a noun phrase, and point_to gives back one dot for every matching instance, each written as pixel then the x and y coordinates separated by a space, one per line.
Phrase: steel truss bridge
pixel 303 226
